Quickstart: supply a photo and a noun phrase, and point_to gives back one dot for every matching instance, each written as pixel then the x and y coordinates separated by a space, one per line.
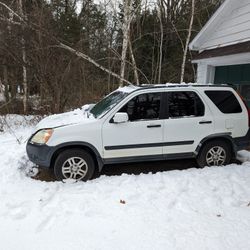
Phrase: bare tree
pixel 66 47
pixel 159 13
pixel 133 63
pixel 2 97
pixel 57 53
pixel 187 41
pixel 24 58
pixel 125 30
pixel 92 61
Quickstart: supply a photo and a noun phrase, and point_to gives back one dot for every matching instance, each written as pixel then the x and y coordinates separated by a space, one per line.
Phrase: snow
pixel 57 120
pixel 190 209
pixel 243 156
pixel 72 117
pixel 128 89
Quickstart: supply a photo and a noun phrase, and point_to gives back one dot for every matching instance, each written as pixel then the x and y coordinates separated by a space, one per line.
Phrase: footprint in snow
pixel 51 197
pixel 46 223
pixel 17 211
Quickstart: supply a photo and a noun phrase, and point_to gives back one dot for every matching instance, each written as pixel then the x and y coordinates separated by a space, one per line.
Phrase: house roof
pixel 224 51
pixel 217 17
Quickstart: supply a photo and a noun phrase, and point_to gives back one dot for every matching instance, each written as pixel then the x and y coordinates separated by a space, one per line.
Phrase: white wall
pixel 205 73
pixel 201 73
pixel 234 27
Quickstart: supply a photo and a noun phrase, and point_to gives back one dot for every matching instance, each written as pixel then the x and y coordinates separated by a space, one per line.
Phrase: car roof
pixel 132 88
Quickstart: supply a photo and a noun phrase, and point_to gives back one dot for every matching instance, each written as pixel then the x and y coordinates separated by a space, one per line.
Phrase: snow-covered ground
pixel 190 209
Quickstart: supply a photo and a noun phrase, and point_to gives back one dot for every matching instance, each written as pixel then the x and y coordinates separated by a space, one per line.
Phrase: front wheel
pixel 74 164
pixel 215 153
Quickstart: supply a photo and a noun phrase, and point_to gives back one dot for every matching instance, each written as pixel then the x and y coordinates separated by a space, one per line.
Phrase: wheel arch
pixel 78 145
pixel 221 137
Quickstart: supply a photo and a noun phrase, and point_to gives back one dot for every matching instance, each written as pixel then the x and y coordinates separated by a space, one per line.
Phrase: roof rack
pixel 148 86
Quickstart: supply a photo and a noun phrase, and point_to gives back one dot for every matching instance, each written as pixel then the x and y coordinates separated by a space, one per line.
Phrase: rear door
pixel 188 121
pixel 231 113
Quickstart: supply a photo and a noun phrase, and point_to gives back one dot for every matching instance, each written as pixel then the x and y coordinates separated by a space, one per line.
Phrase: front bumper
pixel 40 154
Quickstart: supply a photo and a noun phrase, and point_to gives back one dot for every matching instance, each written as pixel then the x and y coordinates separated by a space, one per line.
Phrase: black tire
pixel 80 160
pixel 207 158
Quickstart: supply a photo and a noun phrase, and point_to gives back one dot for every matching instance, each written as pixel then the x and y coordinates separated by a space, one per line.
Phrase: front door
pixel 142 135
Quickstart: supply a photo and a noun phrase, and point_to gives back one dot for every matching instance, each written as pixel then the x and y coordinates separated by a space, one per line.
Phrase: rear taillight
pixel 248 109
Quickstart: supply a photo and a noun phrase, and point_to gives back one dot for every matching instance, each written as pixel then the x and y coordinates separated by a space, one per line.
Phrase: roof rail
pixel 149 86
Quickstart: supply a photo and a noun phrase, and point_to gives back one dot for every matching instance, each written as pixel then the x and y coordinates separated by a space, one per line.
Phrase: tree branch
pixel 70 49
pixel 92 61
pixel 12 12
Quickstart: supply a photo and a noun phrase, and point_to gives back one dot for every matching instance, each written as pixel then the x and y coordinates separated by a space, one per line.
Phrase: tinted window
pixel 185 104
pixel 143 107
pixel 225 101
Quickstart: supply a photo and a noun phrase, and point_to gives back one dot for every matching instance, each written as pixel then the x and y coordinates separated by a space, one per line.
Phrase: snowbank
pixel 243 156
pixel 14 122
pixel 191 209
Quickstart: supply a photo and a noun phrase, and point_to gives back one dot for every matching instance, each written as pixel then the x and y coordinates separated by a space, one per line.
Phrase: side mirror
pixel 120 117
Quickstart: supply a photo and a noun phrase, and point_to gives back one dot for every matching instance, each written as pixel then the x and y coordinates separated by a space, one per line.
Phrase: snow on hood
pixel 68 118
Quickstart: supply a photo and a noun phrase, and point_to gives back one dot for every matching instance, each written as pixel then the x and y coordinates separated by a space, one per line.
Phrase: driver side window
pixel 143 107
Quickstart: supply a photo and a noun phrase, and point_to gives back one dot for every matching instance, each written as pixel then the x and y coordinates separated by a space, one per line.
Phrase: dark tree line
pixel 142 43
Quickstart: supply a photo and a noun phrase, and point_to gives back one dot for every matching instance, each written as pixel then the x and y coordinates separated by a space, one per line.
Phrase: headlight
pixel 42 136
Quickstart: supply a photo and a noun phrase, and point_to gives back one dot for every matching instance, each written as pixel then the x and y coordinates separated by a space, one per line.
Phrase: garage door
pixel 237 75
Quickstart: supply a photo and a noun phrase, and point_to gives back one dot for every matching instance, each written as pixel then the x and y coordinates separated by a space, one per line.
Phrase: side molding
pixel 149 145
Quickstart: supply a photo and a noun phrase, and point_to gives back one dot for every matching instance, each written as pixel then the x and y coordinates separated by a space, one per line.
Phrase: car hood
pixel 64 119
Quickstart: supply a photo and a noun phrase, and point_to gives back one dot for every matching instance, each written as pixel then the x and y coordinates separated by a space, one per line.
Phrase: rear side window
pixel 185 104
pixel 225 101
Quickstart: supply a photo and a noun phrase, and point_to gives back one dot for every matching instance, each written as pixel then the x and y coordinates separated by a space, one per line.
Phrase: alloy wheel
pixel 74 168
pixel 216 156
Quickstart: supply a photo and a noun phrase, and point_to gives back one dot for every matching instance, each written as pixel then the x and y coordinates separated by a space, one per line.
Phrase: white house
pixel 224 47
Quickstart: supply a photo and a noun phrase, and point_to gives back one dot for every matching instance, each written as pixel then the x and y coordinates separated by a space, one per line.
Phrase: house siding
pixel 201 72
pixel 234 27
pixel 205 73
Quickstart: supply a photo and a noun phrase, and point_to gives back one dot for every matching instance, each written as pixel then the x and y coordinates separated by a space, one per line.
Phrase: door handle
pixel 154 126
pixel 205 122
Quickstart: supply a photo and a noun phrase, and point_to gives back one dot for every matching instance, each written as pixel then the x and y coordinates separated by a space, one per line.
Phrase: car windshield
pixel 107 103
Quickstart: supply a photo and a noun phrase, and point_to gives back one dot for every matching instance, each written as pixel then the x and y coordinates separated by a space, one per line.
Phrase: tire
pixel 75 164
pixel 214 153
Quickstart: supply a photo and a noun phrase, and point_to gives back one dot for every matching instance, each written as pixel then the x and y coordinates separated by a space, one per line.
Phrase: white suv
pixel 146 123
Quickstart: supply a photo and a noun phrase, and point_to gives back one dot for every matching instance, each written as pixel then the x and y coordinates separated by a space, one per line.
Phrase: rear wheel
pixel 215 153
pixel 74 164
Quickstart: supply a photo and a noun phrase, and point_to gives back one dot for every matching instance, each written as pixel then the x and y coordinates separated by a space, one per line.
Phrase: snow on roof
pixel 128 89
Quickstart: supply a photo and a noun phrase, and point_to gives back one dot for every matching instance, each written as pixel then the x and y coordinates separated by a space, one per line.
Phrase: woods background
pixel 43 71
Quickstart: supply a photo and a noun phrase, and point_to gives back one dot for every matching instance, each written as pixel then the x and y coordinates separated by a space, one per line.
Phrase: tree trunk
pixel 161 41
pixel 133 63
pixel 5 82
pixel 125 30
pixel 25 85
pixel 187 42
pixel 2 97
